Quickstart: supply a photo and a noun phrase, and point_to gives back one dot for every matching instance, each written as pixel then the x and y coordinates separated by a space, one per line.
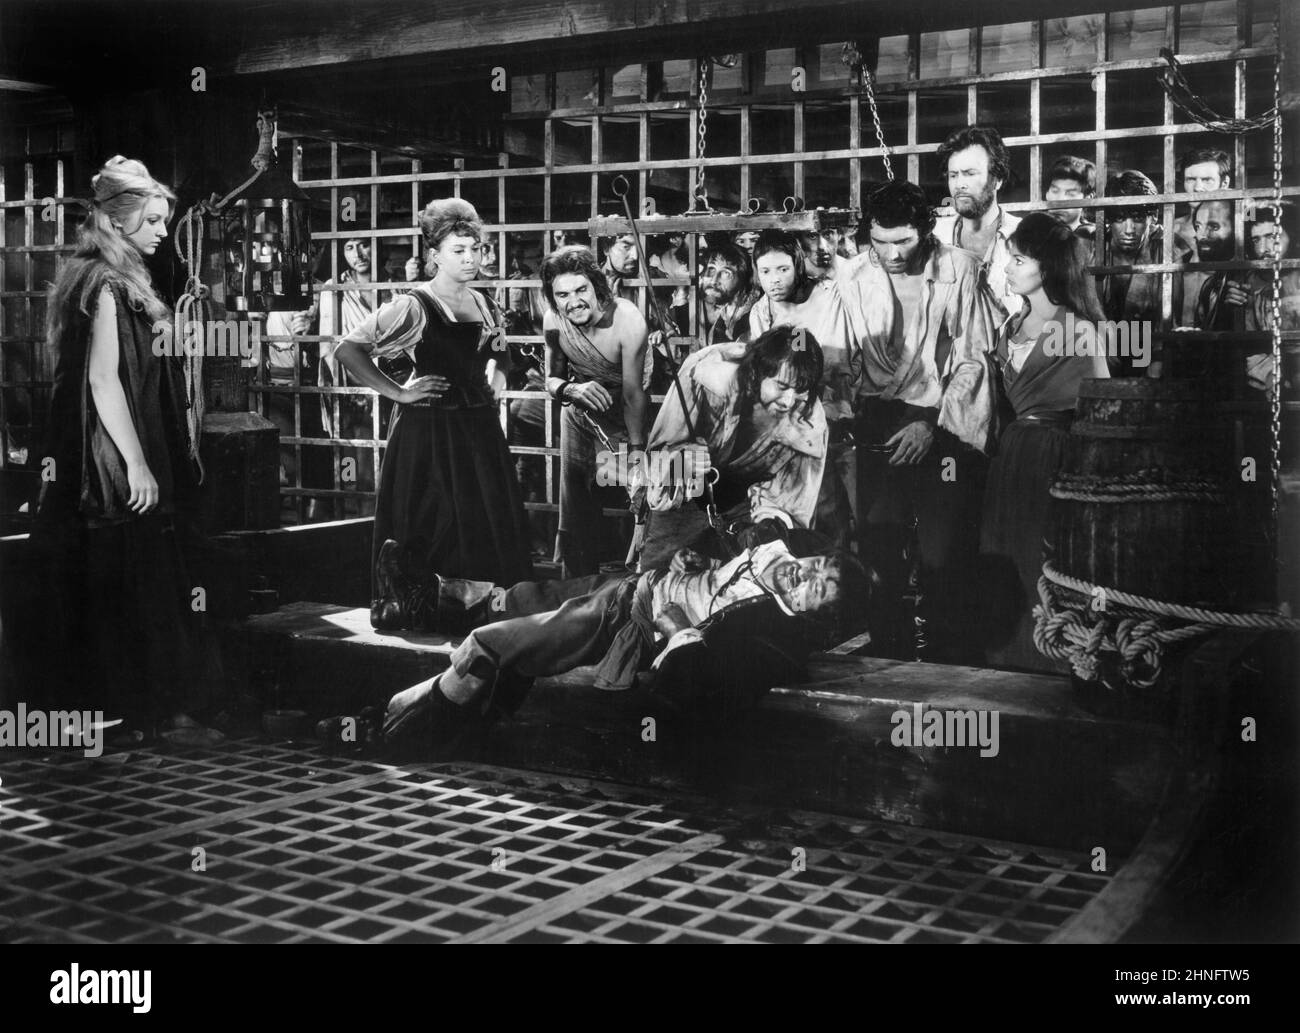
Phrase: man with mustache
pixel 597 345
pixel 1216 242
pixel 726 294
pixel 976 164
pixel 1204 169
pixel 620 264
pixel 922 321
pixel 624 624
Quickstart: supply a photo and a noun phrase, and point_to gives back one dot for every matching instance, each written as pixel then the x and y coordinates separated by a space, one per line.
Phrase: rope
pixel 191 308
pixel 1194 614
pixel 1139 493
pixel 1142 486
pixel 1099 645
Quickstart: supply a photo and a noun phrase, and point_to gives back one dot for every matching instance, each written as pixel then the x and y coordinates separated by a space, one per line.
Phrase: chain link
pixel 868 80
pixel 1276 394
pixel 701 191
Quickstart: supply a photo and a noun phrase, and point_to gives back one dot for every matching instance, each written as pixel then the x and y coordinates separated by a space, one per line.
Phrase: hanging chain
pixel 856 61
pixel 1276 393
pixel 868 80
pixel 701 191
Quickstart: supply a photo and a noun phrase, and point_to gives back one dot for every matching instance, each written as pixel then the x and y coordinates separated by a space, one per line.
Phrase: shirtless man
pixel 977 165
pixel 597 346
pixel 1132 239
pixel 922 321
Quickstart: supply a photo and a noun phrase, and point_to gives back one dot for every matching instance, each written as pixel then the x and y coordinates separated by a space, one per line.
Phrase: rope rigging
pixel 193 309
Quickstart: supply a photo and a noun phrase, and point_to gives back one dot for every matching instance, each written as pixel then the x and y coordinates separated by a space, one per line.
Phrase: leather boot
pixel 423 717
pixel 461 605
pixel 445 605
pixel 388 611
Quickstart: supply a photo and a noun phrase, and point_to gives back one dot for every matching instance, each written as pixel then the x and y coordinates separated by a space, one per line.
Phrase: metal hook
pixel 620 192
pixel 753 206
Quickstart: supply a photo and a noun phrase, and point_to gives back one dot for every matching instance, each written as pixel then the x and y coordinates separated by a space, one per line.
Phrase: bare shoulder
pixel 628 318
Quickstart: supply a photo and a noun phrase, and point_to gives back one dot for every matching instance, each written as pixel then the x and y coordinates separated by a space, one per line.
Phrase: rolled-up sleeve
pixel 672 429
pixel 966 408
pixel 393 328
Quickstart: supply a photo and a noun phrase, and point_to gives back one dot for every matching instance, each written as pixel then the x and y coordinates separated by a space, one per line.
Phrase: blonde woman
pixel 120 482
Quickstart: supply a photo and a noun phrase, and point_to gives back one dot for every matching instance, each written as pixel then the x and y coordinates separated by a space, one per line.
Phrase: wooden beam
pixel 361 130
pixel 19 86
pixel 792 222
pixel 486 30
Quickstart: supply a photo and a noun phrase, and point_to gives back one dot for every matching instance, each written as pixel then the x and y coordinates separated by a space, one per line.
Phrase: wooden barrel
pixel 1142 498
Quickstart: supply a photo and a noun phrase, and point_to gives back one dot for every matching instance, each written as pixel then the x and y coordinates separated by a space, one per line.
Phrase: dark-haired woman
pixel 447 487
pixel 1041 371
pixel 793 296
pixel 759 422
pixel 121 635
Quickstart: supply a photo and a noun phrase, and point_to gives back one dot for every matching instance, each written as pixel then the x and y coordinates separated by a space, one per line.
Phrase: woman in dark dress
pixel 447 488
pixel 119 487
pixel 1041 371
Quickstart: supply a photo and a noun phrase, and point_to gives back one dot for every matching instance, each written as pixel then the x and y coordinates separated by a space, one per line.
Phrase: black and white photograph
pixel 703 471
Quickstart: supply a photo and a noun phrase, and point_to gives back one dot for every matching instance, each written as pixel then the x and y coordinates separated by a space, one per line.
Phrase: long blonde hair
pixel 103 255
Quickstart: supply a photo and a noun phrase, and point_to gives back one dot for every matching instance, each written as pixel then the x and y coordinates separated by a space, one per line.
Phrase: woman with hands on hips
pixel 447 487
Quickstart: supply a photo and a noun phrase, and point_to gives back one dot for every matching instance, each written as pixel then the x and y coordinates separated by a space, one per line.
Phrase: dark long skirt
pixel 448 493
pixel 124 631
pixel 1013 535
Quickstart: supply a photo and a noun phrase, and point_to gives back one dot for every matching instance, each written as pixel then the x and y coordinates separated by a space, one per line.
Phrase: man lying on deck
pixel 780 607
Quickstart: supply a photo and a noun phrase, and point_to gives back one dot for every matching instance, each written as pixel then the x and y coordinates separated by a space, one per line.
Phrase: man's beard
pixel 1214 251
pixel 974 207
pixel 718 298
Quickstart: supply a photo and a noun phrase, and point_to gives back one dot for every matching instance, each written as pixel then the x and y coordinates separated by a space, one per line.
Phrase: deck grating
pixel 300 846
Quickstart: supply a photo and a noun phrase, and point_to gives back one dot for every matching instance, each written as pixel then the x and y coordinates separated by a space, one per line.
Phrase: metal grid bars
pixel 297 847
pixel 1083 83
pixel 27 259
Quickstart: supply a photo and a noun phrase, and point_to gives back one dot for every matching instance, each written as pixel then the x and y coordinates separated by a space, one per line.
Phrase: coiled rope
pixel 1141 486
pixel 1132 631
